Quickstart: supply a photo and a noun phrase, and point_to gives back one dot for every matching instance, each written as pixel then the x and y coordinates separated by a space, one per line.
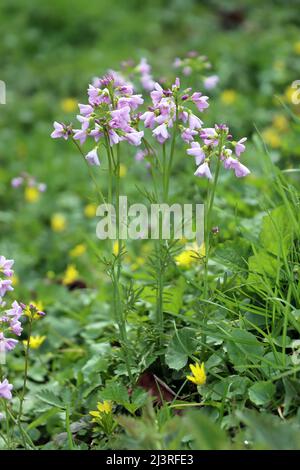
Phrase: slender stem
pixel 98 190
pixel 68 429
pixel 22 397
pixel 207 230
pixel 116 269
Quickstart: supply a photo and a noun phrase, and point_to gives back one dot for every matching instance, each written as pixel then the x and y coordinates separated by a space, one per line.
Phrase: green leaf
pixel 43 418
pixel 115 392
pixel 182 345
pixel 261 393
pixel 49 397
pixel 234 253
pixel 243 349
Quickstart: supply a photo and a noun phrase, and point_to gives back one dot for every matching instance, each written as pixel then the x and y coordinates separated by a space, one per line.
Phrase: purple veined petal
pixel 16 327
pixel 15 311
pixel 59 130
pixel 85 109
pixel 134 138
pixel 200 101
pixel 85 121
pixel 5 286
pixel 197 152
pixel 96 133
pixel 203 170
pixel 149 119
pixel 92 157
pixel 229 163
pixel 188 135
pixel 241 170
pixel 240 147
pixel 81 135
pixel 6 265
pixel 7 344
pixel 161 133
pixel 5 390
pixel 195 122
pixel 113 137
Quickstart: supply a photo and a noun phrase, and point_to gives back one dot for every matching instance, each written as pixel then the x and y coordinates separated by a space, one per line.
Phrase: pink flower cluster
pixel 168 107
pixel 217 142
pixel 146 79
pixel 194 62
pixel 28 180
pixel 9 320
pixel 110 115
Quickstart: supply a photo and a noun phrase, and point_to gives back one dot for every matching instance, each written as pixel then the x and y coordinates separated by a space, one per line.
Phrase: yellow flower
pixel 271 137
pixel 38 304
pixel 297 47
pixel 289 94
pixel 228 96
pixel 35 341
pixel 103 408
pixel 190 255
pixel 15 280
pixel 31 194
pixel 70 275
pixel 30 312
pixel 78 250
pixel 280 122
pixel 68 105
pixel 90 210
pixel 199 375
pixel 123 170
pixel 116 248
pixel 58 222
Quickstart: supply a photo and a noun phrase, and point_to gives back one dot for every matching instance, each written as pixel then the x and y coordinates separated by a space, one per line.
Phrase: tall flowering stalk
pixel 111 117
pixel 108 119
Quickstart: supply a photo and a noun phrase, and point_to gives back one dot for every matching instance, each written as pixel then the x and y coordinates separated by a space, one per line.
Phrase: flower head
pixel 198 376
pixel 35 342
pixel 5 390
pixel 92 157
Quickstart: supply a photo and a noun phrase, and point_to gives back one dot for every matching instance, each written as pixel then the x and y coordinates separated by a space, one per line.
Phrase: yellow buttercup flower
pixel 68 105
pixel 116 248
pixel 78 250
pixel 199 375
pixel 297 47
pixel 190 255
pixel 35 341
pixel 31 194
pixel 228 96
pixel 272 137
pixel 102 408
pixel 90 210
pixel 58 222
pixel 123 170
pixel 70 275
pixel 280 122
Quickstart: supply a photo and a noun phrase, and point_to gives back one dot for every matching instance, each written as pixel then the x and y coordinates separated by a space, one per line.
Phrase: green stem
pixel 68 429
pixel 22 397
pixel 98 190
